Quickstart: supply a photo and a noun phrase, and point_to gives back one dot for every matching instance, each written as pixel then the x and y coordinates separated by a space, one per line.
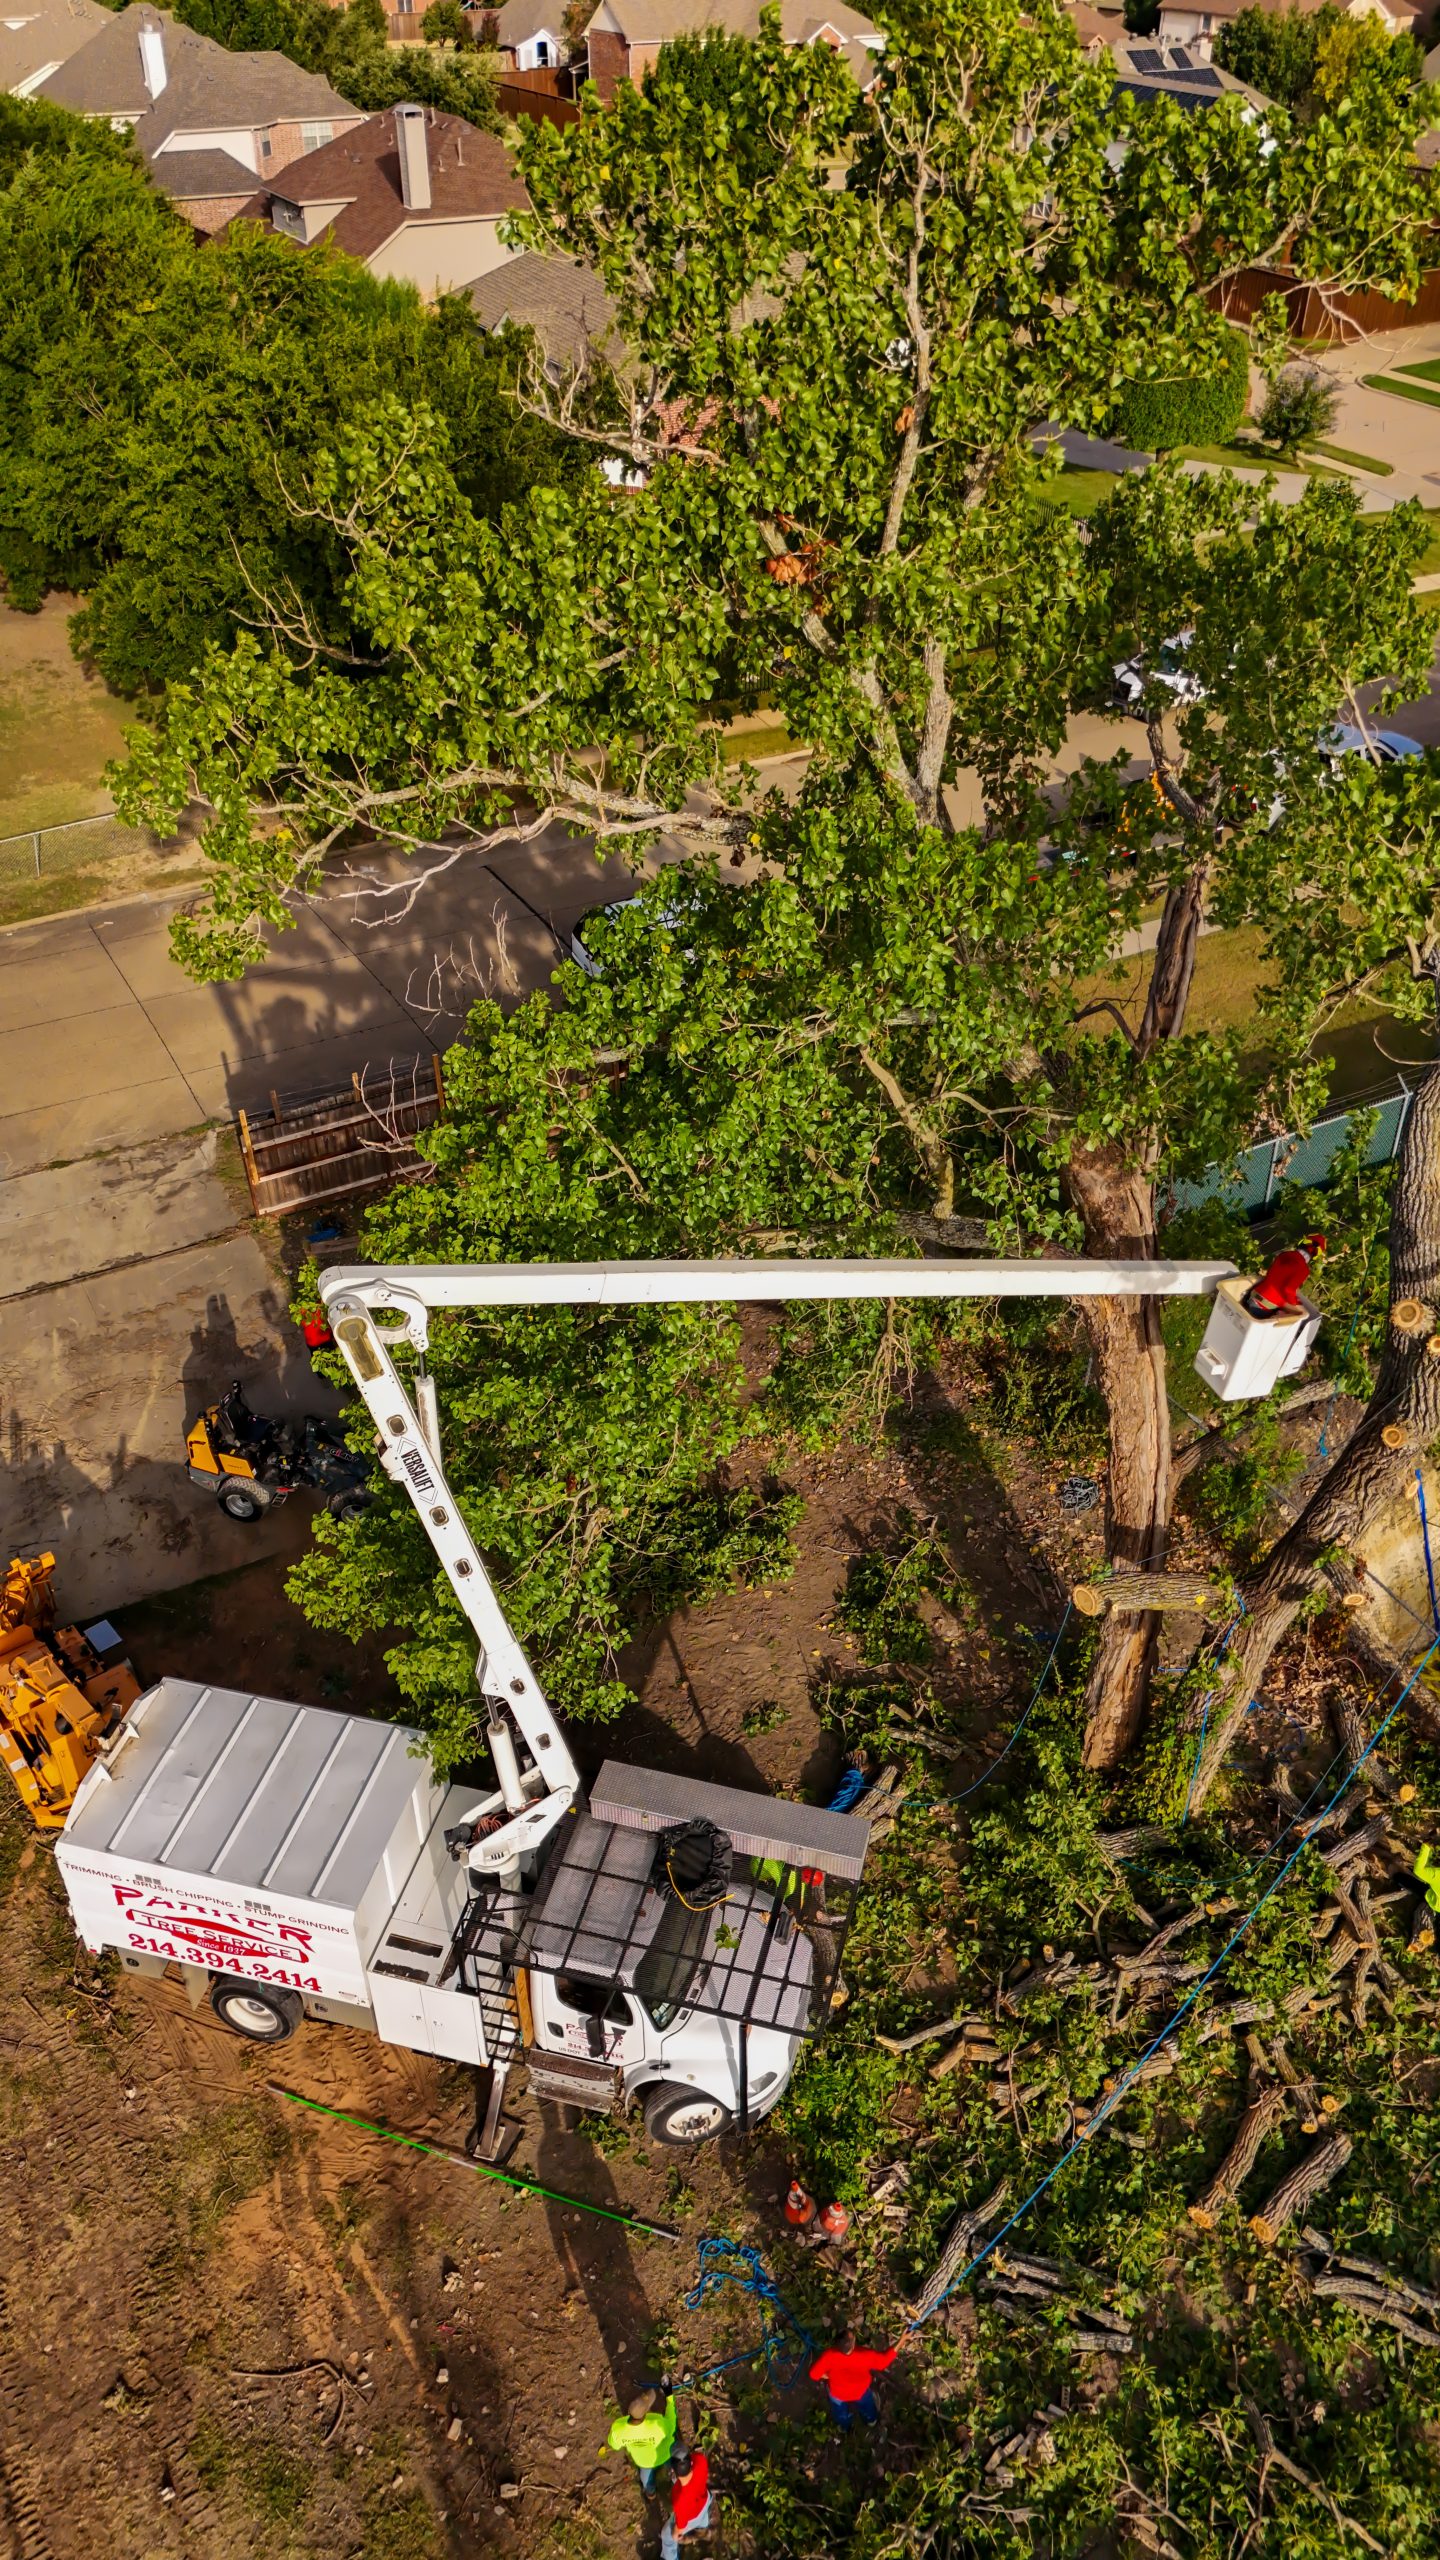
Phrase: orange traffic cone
pixel 834 2221
pixel 799 2208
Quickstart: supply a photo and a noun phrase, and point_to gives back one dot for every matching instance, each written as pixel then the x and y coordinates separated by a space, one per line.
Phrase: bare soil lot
pixel 233 2328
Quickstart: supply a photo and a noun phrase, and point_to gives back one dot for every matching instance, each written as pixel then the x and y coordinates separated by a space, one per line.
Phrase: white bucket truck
pixel 671 1943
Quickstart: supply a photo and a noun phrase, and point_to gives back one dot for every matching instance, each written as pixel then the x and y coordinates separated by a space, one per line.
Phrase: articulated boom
pixel 534 1800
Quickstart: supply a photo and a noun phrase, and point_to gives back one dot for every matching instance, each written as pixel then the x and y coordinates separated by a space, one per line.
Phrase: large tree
pixel 160 403
pixel 848 317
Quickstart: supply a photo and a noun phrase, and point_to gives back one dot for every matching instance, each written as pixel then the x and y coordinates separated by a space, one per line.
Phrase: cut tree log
pixel 1372 2304
pixel 1357 1842
pixel 959 2246
pixel 1354 1742
pixel 1294 2192
pixel 1263 2113
pixel 1131 1594
pixel 1422 1927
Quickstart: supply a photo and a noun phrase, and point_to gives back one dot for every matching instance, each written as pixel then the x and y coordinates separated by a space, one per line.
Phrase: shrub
pixel 1197 409
pixel 1299 406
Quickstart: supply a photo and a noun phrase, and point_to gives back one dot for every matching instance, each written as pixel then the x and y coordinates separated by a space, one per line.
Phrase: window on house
pixel 542 55
pixel 264 146
pixel 313 137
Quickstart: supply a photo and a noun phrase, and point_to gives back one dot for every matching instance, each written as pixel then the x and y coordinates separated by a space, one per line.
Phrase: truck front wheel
pixel 681 2117
pixel 256 2009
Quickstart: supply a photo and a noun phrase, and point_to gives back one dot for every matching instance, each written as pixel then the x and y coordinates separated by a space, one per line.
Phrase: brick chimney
pixel 413 144
pixel 152 54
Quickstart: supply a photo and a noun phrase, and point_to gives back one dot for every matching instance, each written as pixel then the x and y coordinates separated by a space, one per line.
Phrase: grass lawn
pixel 1258 457
pixel 1357 461
pixel 58 727
pixel 1228 990
pixel 1429 559
pixel 1402 390
pixel 1428 372
pixel 747 746
pixel 1080 491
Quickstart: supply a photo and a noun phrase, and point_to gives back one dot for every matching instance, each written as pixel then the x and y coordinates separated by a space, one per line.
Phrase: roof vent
pixel 413 144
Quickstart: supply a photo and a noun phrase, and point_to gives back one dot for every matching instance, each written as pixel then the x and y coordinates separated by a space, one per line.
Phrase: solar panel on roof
pixel 1203 78
pixel 1180 59
pixel 1151 62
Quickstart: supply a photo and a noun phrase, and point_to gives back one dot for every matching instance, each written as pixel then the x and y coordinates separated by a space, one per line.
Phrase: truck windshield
pixel 670 1972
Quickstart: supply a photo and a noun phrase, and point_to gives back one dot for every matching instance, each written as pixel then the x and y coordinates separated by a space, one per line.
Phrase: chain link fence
pixel 44 853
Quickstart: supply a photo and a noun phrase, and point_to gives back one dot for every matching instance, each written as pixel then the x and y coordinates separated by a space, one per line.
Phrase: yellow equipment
pixel 57 1700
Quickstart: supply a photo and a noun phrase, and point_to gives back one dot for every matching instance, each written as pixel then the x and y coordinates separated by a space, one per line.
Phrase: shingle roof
pixel 34 33
pixel 471 175
pixel 214 91
pixel 104 77
pixel 206 88
pixel 522 19
pixel 1149 71
pixel 565 304
pixel 659 21
pixel 189 175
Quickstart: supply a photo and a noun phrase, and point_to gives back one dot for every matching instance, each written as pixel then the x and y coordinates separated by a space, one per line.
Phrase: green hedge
pixel 1206 409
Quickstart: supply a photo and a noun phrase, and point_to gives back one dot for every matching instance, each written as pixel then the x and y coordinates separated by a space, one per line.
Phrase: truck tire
pixel 682 2117
pixel 240 1502
pixel 258 2010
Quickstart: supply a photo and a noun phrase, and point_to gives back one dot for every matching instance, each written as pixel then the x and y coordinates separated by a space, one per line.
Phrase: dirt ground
pixel 232 2327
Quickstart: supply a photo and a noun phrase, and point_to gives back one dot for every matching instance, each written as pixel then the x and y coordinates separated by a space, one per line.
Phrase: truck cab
pixel 694 2008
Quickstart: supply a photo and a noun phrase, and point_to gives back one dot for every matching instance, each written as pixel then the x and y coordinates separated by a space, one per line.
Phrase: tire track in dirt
pixel 29 2535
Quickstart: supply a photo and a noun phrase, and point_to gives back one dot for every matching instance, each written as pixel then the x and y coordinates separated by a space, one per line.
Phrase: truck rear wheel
pixel 258 2010
pixel 682 2117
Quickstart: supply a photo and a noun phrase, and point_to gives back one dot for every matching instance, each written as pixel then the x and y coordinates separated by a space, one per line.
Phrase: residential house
pixel 36 36
pixel 1096 29
pixel 411 193
pixel 531 34
pixel 1149 70
pixel 208 122
pixel 1195 22
pixel 564 303
pixel 623 37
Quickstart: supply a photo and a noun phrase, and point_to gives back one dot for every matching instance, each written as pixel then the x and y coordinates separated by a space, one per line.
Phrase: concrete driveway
pixel 133 1283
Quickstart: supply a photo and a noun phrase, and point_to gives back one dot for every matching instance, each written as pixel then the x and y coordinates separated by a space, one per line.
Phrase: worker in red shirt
pixel 689 2500
pixel 848 2373
pixel 1277 1291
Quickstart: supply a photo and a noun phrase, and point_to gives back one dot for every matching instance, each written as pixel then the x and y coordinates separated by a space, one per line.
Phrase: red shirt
pixel 848 2377
pixel 688 2497
pixel 1282 1283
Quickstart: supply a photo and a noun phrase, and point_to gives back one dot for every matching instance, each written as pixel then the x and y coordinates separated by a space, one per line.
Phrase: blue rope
pixel 987 1774
pixel 1425 1534
pixel 1128 2078
pixel 730 2262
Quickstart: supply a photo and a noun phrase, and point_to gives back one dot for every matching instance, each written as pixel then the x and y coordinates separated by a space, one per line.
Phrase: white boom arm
pixel 534 1800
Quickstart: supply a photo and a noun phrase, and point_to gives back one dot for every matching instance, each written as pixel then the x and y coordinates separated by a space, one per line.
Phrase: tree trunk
pixel 1369 1473
pixel 1116 1203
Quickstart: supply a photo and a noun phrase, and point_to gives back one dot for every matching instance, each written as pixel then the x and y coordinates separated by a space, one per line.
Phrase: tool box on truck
pixel 282 1844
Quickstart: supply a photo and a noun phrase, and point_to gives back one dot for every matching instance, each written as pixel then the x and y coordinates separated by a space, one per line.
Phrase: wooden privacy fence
pixel 316 1149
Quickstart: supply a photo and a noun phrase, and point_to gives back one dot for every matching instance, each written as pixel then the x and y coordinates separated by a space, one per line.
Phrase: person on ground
pixel 646 2432
pixel 689 2500
pixel 848 2372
